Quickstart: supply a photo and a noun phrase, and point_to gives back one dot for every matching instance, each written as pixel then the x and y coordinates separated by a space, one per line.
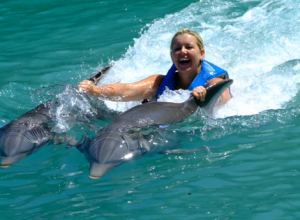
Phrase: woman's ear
pixel 171 56
pixel 202 53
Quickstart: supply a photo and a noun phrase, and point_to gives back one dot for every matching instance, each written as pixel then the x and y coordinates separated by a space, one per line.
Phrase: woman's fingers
pixel 86 85
pixel 199 93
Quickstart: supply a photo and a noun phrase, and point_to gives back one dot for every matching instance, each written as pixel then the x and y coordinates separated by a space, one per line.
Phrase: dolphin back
pixel 153 113
pixel 162 113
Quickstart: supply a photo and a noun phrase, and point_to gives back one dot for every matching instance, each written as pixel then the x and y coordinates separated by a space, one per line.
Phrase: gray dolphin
pixel 118 142
pixel 30 132
pixel 25 135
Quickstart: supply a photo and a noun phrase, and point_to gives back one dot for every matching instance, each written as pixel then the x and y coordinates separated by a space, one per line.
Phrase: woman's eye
pixel 177 49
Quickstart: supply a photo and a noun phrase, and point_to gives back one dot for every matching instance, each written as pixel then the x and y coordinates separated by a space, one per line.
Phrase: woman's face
pixel 186 55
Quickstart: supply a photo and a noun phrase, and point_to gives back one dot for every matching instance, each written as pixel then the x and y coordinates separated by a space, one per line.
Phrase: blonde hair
pixel 200 42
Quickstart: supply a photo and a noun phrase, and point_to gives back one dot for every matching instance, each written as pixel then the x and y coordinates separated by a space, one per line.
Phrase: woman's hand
pixel 87 86
pixel 199 93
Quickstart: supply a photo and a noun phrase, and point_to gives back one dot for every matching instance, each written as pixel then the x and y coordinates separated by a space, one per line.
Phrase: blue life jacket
pixel 208 72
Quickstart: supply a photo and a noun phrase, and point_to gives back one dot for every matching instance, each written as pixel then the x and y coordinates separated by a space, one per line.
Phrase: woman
pixel 190 71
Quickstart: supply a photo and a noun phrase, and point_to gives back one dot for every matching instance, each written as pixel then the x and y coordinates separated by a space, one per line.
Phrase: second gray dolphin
pixel 118 142
pixel 31 131
pixel 25 135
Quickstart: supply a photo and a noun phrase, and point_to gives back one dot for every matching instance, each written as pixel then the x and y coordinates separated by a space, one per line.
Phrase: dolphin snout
pixel 7 161
pixel 5 166
pixel 94 177
pixel 99 170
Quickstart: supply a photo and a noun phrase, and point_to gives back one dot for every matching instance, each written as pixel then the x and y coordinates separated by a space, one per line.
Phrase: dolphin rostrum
pixel 30 132
pixel 118 142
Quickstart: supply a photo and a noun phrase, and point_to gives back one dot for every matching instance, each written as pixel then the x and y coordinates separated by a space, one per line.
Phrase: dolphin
pixel 32 131
pixel 25 135
pixel 119 141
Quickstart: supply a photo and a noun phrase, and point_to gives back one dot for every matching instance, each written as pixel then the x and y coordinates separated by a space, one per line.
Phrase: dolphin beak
pixel 5 166
pixel 99 170
pixel 94 177
pixel 7 161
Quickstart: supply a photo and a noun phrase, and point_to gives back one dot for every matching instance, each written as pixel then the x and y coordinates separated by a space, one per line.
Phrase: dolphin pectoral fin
pixel 184 151
pixel 58 139
pixel 64 138
pixel 80 145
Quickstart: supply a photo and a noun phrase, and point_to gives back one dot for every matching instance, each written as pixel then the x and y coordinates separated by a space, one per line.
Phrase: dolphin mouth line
pixel 5 166
pixel 95 177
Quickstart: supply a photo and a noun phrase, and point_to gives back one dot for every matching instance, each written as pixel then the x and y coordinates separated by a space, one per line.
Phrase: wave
pixel 254 40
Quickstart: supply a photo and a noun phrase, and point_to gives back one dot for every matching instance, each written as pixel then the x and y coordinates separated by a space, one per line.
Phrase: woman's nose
pixel 183 50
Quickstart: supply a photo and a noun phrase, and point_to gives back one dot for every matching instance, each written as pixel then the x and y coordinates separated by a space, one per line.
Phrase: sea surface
pixel 250 169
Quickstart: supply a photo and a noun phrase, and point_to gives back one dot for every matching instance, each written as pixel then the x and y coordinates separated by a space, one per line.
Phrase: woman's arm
pixel 137 91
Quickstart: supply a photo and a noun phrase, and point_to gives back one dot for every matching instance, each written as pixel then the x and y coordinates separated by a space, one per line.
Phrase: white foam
pixel 72 107
pixel 249 45
pixel 176 96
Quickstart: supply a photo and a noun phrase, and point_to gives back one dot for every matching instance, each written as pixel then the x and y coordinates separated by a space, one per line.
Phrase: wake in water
pixel 256 46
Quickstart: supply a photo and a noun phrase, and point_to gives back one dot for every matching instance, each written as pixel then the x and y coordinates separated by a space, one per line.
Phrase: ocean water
pixel 252 170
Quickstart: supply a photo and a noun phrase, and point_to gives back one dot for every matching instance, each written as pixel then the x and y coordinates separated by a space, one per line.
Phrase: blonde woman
pixel 189 71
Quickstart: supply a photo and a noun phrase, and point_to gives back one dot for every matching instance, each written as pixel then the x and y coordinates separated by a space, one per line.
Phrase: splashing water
pixel 71 107
pixel 256 134
pixel 256 47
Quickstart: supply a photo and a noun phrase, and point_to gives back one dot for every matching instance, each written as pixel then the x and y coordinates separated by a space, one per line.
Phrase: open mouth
pixel 184 61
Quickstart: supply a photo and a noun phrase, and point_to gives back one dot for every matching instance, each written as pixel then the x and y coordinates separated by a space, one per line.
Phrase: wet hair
pixel 200 42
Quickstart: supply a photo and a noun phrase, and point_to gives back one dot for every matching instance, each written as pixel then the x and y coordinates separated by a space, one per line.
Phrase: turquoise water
pixel 252 172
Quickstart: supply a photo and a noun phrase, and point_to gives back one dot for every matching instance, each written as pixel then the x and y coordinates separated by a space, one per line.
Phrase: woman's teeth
pixel 184 61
